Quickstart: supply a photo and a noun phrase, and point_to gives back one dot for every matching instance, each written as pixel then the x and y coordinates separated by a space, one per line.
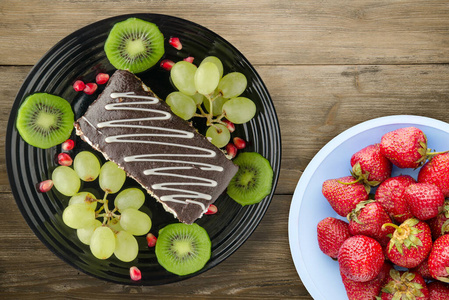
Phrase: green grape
pixel 102 242
pixel 84 234
pixel 182 75
pixel 78 215
pixel 206 78
pixel 239 110
pixel 219 135
pixel 198 98
pixel 126 246
pixel 135 222
pixel 65 180
pixel 115 225
pixel 84 197
pixel 182 105
pixel 216 61
pixel 111 177
pixel 86 165
pixel 232 85
pixel 217 105
pixel 131 197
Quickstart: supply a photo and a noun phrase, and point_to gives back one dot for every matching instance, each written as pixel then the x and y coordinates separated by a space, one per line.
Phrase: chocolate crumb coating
pixel 177 165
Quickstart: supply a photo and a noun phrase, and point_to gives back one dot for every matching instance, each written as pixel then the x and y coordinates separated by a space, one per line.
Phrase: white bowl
pixel 318 272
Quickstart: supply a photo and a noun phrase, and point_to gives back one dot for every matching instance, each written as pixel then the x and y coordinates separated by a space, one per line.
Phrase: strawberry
pixel 439 259
pixel 371 165
pixel 438 290
pixel 360 258
pixel 390 194
pixel 405 147
pixel 331 234
pixel 410 243
pixel 424 199
pixel 440 224
pixel 367 219
pixel 436 171
pixel 404 285
pixel 422 269
pixel 343 194
pixel 357 290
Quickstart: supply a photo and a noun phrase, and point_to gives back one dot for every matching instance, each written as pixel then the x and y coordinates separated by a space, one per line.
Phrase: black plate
pixel 81 55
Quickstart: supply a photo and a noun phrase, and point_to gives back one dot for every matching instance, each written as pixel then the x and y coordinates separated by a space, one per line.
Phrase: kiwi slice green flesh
pixel 45 120
pixel 183 249
pixel 253 180
pixel 134 45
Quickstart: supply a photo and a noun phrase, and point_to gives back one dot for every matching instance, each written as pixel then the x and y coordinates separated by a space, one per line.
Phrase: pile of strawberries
pixel 395 244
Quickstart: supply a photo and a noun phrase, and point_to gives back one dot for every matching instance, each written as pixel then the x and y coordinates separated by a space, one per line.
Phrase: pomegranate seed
pixel 239 143
pixel 45 186
pixel 64 159
pixel 189 59
pixel 231 149
pixel 229 125
pixel 90 88
pixel 135 273
pixel 68 145
pixel 102 78
pixel 211 210
pixel 151 240
pixel 79 85
pixel 167 64
pixel 175 42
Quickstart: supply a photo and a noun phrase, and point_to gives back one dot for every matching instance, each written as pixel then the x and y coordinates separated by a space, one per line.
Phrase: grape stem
pixel 210 116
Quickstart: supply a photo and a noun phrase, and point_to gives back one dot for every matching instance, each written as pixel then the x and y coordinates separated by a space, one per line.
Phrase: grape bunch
pixel 203 91
pixel 106 231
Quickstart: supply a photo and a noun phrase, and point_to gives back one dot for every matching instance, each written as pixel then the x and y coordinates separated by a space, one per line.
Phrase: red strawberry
pixel 331 234
pixel 390 194
pixel 360 258
pixel 357 290
pixel 423 269
pixel 405 147
pixel 436 171
pixel 371 165
pixel 438 290
pixel 410 243
pixel 424 199
pixel 404 285
pixel 343 194
pixel 367 219
pixel 439 259
pixel 440 224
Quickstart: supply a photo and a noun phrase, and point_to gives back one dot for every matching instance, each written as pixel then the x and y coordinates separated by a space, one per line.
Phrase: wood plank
pixel 29 269
pixel 267 32
pixel 315 103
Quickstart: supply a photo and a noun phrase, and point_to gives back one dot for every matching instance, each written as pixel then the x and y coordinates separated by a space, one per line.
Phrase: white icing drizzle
pixel 180 195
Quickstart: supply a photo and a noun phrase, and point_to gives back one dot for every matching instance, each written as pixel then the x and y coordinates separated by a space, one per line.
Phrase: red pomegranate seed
pixel 231 149
pixel 211 210
pixel 189 59
pixel 64 159
pixel 175 42
pixel 45 186
pixel 135 273
pixel 79 85
pixel 167 64
pixel 90 88
pixel 151 240
pixel 230 125
pixel 68 145
pixel 102 78
pixel 239 143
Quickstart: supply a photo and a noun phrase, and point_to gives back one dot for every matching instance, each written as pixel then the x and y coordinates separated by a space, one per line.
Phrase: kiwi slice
pixel 134 45
pixel 253 180
pixel 183 249
pixel 45 120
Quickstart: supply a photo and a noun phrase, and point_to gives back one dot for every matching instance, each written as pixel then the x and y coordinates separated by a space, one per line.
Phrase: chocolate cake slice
pixel 177 165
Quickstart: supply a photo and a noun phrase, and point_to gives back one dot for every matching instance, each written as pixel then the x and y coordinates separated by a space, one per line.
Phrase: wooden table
pixel 328 65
